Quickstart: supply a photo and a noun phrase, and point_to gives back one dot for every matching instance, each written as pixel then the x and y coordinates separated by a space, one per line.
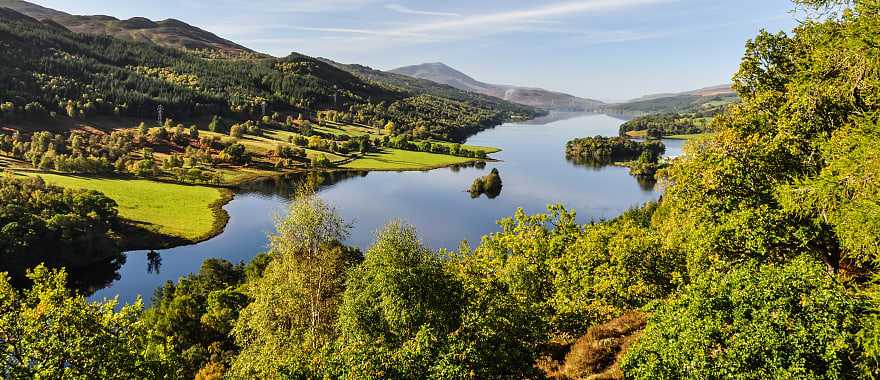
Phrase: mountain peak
pixel 440 72
pixel 139 23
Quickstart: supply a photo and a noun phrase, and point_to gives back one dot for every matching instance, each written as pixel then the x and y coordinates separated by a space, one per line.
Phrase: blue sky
pixel 604 49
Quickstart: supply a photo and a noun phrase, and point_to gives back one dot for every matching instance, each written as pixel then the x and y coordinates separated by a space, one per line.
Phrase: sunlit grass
pixel 170 209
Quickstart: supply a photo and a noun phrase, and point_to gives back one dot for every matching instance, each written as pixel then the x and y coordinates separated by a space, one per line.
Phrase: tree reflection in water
pixel 154 262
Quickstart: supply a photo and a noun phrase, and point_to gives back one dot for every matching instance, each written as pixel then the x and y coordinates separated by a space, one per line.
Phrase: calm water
pixel 533 168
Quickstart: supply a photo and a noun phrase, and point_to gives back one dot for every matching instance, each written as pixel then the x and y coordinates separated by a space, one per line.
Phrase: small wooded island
pixel 642 157
pixel 489 184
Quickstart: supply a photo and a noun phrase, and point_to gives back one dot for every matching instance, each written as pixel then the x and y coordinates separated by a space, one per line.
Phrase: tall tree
pixel 295 302
pixel 400 306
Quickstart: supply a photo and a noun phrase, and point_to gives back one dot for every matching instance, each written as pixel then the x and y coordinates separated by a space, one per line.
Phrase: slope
pixel 49 71
pixel 404 83
pixel 707 100
pixel 534 97
pixel 169 33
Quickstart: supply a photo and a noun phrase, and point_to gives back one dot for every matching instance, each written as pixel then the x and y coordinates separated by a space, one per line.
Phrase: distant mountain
pixel 408 84
pixel 708 100
pixel 167 33
pixel 534 97
pixel 723 90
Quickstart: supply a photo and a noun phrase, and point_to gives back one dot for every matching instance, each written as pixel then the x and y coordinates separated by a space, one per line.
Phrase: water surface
pixel 533 168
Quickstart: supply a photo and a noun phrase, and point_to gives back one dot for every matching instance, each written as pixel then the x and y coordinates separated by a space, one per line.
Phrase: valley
pixel 177 205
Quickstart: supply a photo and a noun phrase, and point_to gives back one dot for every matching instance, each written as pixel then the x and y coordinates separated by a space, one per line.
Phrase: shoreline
pixel 135 238
pixel 132 235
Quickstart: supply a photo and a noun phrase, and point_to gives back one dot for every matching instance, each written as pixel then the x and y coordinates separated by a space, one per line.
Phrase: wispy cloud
pixel 533 14
pixel 402 9
pixel 370 32
pixel 275 6
pixel 545 18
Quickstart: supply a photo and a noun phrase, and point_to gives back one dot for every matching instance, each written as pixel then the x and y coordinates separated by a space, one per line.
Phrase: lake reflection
pixel 533 168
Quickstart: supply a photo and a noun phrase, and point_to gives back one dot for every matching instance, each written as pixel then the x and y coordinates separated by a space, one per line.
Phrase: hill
pixel 168 33
pixel 49 71
pixel 722 89
pixel 534 97
pixel 704 100
pixel 404 83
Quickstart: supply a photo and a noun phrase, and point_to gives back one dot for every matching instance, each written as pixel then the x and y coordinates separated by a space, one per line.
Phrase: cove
pixel 533 167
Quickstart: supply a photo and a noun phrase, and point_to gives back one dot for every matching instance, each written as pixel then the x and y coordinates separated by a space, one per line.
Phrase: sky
pixel 603 49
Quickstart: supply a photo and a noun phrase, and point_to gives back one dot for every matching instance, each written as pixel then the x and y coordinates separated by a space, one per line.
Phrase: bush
pixel 237 131
pixel 793 321
pixel 236 154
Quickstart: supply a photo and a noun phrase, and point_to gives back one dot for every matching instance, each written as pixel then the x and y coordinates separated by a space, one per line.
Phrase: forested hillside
pixel 682 103
pixel 51 73
pixel 168 33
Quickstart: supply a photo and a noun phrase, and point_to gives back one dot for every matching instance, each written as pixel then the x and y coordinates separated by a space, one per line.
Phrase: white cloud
pixel 402 9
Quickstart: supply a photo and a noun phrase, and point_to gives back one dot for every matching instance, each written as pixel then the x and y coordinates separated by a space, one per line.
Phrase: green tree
pixel 399 308
pixel 786 321
pixel 295 302
pixel 236 153
pixel 216 125
pixel 192 319
pixel 492 184
pixel 194 132
pixel 50 333
pixel 143 129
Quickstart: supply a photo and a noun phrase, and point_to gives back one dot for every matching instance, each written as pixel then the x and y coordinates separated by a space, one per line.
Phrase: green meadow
pixel 182 211
pixel 395 159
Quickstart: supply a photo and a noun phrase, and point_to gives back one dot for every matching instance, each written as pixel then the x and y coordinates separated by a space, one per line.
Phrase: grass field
pixel 186 212
pixel 388 159
pixel 395 159
pixel 637 134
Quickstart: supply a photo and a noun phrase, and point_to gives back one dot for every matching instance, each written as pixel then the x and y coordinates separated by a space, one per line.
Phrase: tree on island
pixel 490 185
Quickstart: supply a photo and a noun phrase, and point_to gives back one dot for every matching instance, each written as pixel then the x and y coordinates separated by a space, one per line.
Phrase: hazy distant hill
pixel 704 99
pixel 168 33
pixel 535 97
pixel 404 83
pixel 723 89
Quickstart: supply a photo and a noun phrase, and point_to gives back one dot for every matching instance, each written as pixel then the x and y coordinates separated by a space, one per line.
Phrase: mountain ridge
pixel 721 89
pixel 535 97
pixel 168 33
pixel 52 74
pixel 404 83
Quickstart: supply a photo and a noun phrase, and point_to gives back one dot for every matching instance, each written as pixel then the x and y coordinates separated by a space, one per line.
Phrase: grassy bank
pixel 395 159
pixel 182 214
